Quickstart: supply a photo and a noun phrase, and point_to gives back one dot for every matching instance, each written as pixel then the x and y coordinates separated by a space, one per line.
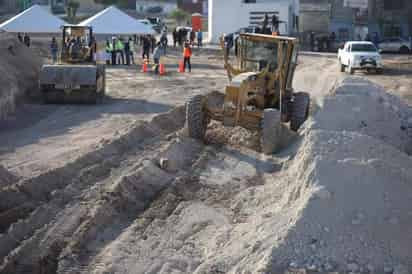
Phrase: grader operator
pixel 76 78
pixel 259 95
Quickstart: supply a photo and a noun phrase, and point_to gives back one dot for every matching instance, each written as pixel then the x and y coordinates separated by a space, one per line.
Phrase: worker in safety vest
pixel 109 51
pixel 131 50
pixel 119 47
pixel 114 41
pixel 187 53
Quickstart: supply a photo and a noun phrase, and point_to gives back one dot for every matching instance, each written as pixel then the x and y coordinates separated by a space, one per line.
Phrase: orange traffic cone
pixel 181 67
pixel 162 70
pixel 144 67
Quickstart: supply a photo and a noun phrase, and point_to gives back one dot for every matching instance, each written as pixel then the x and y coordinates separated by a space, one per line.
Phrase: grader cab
pixel 76 78
pixel 259 95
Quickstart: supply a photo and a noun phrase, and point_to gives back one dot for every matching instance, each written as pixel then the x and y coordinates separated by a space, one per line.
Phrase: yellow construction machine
pixel 259 95
pixel 76 78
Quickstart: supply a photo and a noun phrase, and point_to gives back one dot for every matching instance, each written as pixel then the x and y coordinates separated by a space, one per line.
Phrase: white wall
pixel 229 15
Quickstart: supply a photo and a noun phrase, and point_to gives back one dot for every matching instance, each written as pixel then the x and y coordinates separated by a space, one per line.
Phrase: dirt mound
pixel 19 69
pixel 361 106
pixel 6 178
pixel 349 189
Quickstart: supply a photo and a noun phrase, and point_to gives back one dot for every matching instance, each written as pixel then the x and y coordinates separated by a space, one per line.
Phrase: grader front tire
pixel 271 131
pixel 196 119
pixel 300 110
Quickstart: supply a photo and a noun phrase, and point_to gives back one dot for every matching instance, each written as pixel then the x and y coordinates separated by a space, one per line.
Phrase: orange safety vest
pixel 187 52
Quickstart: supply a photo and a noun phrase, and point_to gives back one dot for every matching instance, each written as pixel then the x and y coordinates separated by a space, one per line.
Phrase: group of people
pixel 120 51
pixel 160 50
pixel 180 37
pixel 25 39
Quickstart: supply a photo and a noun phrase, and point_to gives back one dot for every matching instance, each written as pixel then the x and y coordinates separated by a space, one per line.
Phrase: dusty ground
pixel 84 192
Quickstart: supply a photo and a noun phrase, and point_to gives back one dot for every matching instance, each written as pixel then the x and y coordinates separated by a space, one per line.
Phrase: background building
pixel 351 19
pixel 230 15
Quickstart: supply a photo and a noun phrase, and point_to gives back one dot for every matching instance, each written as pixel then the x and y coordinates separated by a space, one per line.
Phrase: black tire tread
pixel 342 66
pixel 271 131
pixel 196 122
pixel 300 110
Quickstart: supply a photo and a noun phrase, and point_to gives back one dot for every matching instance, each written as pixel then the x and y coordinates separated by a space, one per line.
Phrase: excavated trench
pixel 61 210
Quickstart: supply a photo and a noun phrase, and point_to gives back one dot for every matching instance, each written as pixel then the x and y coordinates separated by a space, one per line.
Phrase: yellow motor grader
pixel 259 95
pixel 76 78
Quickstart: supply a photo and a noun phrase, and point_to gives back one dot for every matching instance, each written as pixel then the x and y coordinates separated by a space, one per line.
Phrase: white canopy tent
pixel 33 20
pixel 114 21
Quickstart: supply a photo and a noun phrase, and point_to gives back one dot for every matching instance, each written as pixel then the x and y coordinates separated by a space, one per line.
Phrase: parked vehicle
pixel 395 44
pixel 154 23
pixel 358 55
pixel 157 23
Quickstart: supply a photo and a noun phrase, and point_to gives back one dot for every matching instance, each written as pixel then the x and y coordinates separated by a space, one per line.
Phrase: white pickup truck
pixel 358 55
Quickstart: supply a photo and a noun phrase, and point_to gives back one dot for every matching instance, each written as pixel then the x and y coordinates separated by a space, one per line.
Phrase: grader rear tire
pixel 271 131
pixel 101 70
pixel 196 119
pixel 300 110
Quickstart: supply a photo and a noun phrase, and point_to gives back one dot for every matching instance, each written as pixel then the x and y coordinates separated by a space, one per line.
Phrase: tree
pixel 179 15
pixel 72 7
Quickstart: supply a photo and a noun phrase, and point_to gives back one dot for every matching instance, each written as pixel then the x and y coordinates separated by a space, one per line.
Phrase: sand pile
pixel 350 186
pixel 364 107
pixel 19 69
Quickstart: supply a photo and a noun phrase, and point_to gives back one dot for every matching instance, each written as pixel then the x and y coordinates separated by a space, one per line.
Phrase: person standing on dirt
pixel 127 52
pixel 265 24
pixel 228 43
pixel 109 50
pixel 152 42
pixel 187 54
pixel 174 35
pixel 131 49
pixel 26 40
pixel 120 51
pixel 114 53
pixel 199 38
pixel 54 48
pixel 192 37
pixel 180 37
pixel 20 37
pixel 163 41
pixel 145 48
pixel 185 33
pixel 275 24
pixel 158 52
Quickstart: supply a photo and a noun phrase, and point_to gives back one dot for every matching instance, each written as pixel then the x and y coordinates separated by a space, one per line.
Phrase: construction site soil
pixel 19 69
pixel 119 188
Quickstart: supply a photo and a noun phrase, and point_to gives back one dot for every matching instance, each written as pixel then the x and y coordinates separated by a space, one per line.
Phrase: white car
pixel 360 56
pixel 395 45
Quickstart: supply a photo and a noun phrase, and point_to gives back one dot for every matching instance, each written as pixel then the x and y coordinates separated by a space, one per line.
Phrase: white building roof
pixel 33 20
pixel 114 21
